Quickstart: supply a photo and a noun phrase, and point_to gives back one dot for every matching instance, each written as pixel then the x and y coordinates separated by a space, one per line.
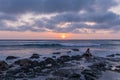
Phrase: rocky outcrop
pixel 3 66
pixel 75 49
pixel 35 56
pixel 11 57
pixel 24 62
pixel 87 54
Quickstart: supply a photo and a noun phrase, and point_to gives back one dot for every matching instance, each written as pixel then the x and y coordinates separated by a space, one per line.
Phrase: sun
pixel 63 36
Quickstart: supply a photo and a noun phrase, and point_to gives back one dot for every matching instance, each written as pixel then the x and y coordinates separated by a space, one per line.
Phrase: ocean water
pixel 25 48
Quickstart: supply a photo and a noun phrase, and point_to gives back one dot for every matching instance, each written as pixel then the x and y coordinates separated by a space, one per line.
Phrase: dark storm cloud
pixel 43 6
pixel 75 12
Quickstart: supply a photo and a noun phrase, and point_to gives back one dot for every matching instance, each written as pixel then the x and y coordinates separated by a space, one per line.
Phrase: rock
pixel 49 60
pixel 87 54
pixel 75 49
pixel 56 53
pixel 34 63
pixel 68 52
pixel 11 57
pixel 113 55
pixel 3 66
pixel 24 62
pixel 62 73
pixel 99 66
pixel 64 58
pixel 35 56
pixel 89 75
pixel 54 78
pixel 75 75
pixel 53 56
pixel 12 72
pixel 76 57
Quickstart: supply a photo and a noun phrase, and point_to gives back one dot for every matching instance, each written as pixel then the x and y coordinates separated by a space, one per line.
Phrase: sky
pixel 56 19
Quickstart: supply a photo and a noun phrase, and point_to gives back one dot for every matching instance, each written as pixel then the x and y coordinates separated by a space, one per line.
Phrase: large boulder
pixel 75 49
pixel 64 58
pixel 49 60
pixel 56 53
pixel 90 74
pixel 87 54
pixel 35 56
pixel 76 57
pixel 11 57
pixel 24 62
pixel 62 73
pixel 3 66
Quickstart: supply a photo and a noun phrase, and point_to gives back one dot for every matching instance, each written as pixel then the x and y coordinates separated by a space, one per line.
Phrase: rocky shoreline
pixel 65 67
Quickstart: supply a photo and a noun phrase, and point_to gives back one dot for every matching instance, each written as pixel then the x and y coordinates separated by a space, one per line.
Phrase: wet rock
pixel 75 75
pixel 49 60
pixel 54 78
pixel 11 57
pixel 113 55
pixel 20 75
pixel 34 63
pixel 42 64
pixel 62 73
pixel 87 54
pixel 75 49
pixel 64 58
pixel 53 56
pixel 12 72
pixel 56 53
pixel 3 66
pixel 99 66
pixel 35 56
pixel 68 52
pixel 76 57
pixel 89 75
pixel 24 62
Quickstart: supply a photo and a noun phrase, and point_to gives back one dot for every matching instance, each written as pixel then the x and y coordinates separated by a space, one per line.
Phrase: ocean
pixel 25 48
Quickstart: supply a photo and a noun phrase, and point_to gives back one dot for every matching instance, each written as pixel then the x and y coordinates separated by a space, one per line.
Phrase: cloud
pixel 75 16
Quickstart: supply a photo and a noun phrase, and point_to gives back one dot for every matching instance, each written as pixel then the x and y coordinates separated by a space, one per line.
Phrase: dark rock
pixel 34 63
pixel 75 75
pixel 76 57
pixel 42 64
pixel 20 75
pixel 75 49
pixel 54 78
pixel 90 75
pixel 87 54
pixel 64 58
pixel 57 53
pixel 11 73
pixel 24 62
pixel 49 60
pixel 44 57
pixel 11 57
pixel 113 55
pixel 53 56
pixel 68 52
pixel 99 66
pixel 3 66
pixel 61 73
pixel 35 56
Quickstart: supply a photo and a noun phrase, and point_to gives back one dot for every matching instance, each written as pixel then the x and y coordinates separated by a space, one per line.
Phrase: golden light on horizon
pixel 63 36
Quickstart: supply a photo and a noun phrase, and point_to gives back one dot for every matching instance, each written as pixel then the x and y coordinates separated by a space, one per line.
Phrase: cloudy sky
pixel 50 19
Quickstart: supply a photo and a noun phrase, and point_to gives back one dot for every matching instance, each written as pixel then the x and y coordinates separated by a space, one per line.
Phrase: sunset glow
pixel 63 36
